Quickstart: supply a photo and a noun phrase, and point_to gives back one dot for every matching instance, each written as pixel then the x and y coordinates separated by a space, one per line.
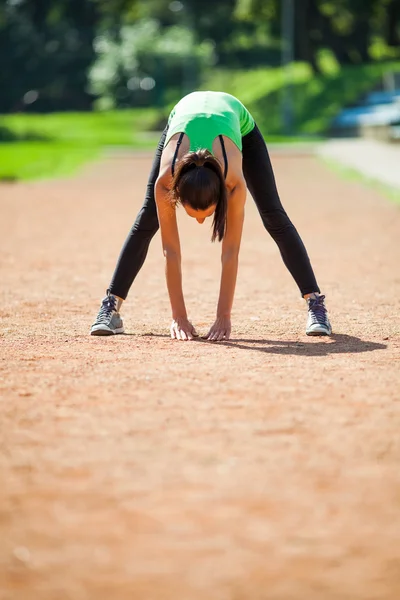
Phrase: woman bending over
pixel 210 153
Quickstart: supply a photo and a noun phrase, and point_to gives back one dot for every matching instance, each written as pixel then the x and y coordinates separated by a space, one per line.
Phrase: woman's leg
pixel 260 180
pixel 135 249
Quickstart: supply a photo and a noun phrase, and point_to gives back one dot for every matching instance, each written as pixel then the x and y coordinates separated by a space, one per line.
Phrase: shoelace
pixel 317 310
pixel 108 306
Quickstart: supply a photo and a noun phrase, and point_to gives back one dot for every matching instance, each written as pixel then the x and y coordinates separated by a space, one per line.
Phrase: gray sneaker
pixel 108 321
pixel 318 321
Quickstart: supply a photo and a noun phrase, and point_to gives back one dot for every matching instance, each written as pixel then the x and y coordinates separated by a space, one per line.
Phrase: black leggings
pixel 260 180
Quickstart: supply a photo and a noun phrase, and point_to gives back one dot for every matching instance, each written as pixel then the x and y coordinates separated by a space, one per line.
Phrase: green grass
pixel 113 128
pixel 37 160
pixel 57 144
pixel 254 85
pixel 316 98
pixel 351 174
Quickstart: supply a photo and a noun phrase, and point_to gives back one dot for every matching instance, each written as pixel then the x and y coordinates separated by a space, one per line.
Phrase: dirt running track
pixel 266 468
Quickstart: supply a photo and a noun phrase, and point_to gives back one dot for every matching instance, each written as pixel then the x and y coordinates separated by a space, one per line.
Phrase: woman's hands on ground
pixel 182 329
pixel 221 330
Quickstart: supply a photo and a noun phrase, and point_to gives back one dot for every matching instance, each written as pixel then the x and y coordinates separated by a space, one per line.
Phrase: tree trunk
pixel 393 24
pixel 305 47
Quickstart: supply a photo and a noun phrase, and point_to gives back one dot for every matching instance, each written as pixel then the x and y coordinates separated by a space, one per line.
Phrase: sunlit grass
pixel 38 160
pixel 351 174
pixel 254 84
pixel 315 99
pixel 118 128
pixel 56 144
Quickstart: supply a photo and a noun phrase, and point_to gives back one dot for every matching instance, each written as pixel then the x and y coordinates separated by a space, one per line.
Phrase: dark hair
pixel 198 182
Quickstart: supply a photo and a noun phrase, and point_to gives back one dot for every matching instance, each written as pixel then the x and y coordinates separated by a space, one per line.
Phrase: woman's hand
pixel 182 329
pixel 220 330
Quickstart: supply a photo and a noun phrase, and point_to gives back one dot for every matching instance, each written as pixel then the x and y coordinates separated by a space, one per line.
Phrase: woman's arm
pixel 230 249
pixel 229 261
pixel 181 328
pixel 171 249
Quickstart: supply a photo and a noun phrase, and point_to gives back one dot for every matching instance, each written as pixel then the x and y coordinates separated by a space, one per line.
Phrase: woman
pixel 209 153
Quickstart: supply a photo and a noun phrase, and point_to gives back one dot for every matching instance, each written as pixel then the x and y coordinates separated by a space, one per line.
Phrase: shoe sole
pixel 104 331
pixel 319 332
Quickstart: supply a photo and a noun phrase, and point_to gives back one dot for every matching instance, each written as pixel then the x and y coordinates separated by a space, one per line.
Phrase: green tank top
pixel 203 116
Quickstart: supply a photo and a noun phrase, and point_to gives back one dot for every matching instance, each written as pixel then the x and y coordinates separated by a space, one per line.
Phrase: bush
pixel 136 67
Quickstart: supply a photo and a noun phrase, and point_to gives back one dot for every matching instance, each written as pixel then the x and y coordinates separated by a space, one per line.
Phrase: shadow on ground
pixel 337 343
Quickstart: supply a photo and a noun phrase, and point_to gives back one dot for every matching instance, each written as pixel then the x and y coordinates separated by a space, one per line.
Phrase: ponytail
pixel 198 182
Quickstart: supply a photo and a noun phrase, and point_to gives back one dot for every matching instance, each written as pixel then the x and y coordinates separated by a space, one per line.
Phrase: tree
pixel 46 49
pixel 48 46
pixel 133 67
pixel 346 27
pixel 392 25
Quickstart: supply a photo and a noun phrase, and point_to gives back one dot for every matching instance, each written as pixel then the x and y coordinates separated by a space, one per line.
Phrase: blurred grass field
pixel 123 127
pixel 316 99
pixel 350 174
pixel 36 160
pixel 57 144
pixel 51 145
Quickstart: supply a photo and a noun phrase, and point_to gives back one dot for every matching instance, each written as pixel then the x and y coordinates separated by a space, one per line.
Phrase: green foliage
pixel 255 84
pixel 250 10
pixel 49 48
pixel 316 99
pixel 345 27
pixel 140 61
pixel 45 51
pixel 66 140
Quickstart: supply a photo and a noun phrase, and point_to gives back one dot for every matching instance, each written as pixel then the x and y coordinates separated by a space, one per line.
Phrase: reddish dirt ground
pixel 136 467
